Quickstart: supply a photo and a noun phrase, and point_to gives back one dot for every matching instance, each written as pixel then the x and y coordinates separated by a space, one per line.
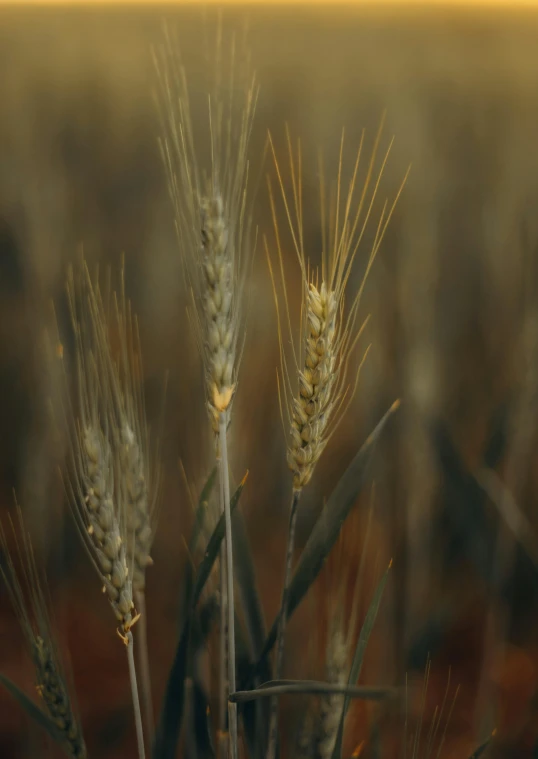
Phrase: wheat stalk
pixel 332 704
pixel 35 623
pixel 329 335
pixel 98 485
pixel 213 224
pixel 304 741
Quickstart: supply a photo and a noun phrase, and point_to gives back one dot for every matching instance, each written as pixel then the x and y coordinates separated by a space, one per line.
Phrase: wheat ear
pixel 34 620
pixel 213 224
pixel 96 487
pixel 140 475
pixel 329 336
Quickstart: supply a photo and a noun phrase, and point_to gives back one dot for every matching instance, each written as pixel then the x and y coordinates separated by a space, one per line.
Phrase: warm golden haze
pixel 505 4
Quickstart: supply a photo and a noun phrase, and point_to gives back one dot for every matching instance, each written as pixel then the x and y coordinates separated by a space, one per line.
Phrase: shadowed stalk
pixel 225 479
pixel 143 662
pixel 31 605
pixel 223 684
pixel 273 724
pixel 134 693
pixel 208 187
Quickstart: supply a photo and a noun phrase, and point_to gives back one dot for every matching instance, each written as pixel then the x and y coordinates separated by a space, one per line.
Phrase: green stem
pixel 232 707
pixel 283 618
pixel 136 700
pixel 223 679
pixel 143 661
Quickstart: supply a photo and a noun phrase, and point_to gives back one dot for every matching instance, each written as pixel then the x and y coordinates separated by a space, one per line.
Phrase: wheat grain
pixel 33 616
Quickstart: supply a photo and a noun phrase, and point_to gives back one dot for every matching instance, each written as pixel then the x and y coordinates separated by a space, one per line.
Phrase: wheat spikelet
pixel 96 491
pixel 34 619
pixel 207 181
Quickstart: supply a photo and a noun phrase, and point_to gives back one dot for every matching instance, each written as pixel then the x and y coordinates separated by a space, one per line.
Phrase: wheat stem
pixel 143 661
pixel 134 694
pixel 223 678
pixel 273 724
pixel 232 707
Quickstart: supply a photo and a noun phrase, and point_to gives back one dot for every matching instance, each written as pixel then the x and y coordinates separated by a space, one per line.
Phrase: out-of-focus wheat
pixel 97 492
pixel 106 482
pixel 31 609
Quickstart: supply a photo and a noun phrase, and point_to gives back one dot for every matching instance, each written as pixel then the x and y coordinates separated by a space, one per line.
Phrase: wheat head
pixel 95 487
pixel 31 609
pixel 328 334
pixel 139 472
pixel 208 188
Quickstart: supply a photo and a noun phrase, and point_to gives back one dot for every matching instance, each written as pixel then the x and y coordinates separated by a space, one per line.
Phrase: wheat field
pixel 449 498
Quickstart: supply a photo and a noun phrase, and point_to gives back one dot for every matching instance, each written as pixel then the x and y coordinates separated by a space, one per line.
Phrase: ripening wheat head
pixel 95 486
pixel 329 331
pixel 137 472
pixel 31 609
pixel 208 187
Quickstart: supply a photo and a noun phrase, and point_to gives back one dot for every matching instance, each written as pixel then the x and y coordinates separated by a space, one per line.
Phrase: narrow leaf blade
pixel 32 710
pixel 201 510
pixel 213 547
pixel 329 523
pixel 358 656
pixel 311 687
pixel 169 727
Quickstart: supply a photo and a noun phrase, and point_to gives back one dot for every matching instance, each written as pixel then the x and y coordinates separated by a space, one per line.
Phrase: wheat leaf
pixel 311 687
pixel 32 710
pixel 481 749
pixel 167 733
pixel 201 511
pixel 329 523
pixel 358 656
pixel 212 550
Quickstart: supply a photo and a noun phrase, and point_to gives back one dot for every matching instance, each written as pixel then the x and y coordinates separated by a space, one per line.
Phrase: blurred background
pixel 454 333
